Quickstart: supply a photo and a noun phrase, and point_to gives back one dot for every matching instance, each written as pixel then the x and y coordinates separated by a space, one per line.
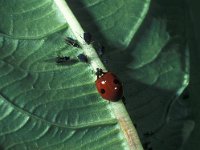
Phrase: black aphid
pixel 61 60
pixel 72 42
pixel 100 50
pixel 83 58
pixel 87 37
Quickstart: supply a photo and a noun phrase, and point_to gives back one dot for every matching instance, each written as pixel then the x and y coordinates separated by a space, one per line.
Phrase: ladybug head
pixel 99 73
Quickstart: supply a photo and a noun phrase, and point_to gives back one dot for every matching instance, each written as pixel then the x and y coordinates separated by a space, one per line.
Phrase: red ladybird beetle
pixel 108 85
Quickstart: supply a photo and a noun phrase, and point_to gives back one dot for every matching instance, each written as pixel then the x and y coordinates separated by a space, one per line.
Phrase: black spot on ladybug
pixel 103 91
pixel 116 81
pixel 87 37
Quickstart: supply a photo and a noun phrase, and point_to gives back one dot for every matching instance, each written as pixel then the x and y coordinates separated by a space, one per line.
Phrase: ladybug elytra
pixel 108 85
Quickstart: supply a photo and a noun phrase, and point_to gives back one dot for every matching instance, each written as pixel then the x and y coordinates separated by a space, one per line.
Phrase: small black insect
pixel 72 42
pixel 87 37
pixel 100 50
pixel 61 60
pixel 83 58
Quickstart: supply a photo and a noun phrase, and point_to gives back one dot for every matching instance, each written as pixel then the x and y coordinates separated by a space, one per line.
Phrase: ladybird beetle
pixel 108 85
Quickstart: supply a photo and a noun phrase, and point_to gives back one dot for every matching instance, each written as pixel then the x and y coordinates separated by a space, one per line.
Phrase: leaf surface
pixel 154 67
pixel 45 105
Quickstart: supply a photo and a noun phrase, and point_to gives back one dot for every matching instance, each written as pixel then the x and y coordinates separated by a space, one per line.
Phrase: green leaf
pixel 45 105
pixel 42 100
pixel 154 67
pixel 193 89
pixel 113 22
pixel 30 19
